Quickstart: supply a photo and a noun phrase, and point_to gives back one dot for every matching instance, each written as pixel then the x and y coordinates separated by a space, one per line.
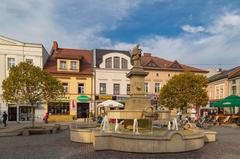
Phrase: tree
pixel 28 84
pixel 184 90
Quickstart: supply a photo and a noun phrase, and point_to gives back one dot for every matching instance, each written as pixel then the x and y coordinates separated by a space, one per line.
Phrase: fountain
pixel 140 131
pixel 105 124
pixel 116 126
pixel 135 127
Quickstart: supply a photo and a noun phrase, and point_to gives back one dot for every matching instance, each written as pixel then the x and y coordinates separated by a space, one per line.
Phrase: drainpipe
pixel 94 83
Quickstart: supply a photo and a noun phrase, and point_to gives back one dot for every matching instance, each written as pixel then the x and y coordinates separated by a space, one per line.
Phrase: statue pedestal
pixel 136 104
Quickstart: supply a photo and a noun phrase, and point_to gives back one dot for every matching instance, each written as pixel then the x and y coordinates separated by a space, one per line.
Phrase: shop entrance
pixel 12 113
pixel 25 113
pixel 82 110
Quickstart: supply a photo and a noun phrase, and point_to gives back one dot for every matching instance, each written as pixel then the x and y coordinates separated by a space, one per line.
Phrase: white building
pixel 13 52
pixel 110 69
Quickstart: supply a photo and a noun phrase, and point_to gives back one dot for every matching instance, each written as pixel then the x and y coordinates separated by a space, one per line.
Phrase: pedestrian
pixel 46 118
pixel 5 116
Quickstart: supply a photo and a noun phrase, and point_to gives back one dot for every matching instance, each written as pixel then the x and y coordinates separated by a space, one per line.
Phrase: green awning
pixel 230 101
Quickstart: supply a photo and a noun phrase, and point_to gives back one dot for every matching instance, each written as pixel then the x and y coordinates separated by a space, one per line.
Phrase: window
pixel 11 63
pixel 157 87
pixel 65 87
pixel 63 65
pixel 128 89
pixel 116 62
pixel 116 89
pixel 102 88
pixel 108 62
pixel 124 63
pixel 81 89
pixel 233 81
pixel 73 65
pixel 29 60
pixel 169 75
pixel 61 108
pixel 234 90
pixel 146 87
pixel 221 92
pixel 157 74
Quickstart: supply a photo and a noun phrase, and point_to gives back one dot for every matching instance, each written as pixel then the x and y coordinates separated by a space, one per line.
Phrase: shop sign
pixel 83 98
pixel 104 97
pixel 63 98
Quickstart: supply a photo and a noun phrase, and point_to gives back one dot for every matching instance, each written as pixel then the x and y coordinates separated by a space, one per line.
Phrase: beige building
pixel 160 71
pixel 13 52
pixel 224 84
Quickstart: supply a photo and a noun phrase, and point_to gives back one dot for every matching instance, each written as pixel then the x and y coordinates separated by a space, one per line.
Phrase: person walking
pixel 4 116
pixel 46 118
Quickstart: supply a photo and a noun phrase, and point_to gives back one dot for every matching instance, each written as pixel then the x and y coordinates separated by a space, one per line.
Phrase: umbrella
pixel 111 103
pixel 230 101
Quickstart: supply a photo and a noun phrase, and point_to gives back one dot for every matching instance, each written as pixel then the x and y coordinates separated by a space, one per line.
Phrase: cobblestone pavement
pixel 59 146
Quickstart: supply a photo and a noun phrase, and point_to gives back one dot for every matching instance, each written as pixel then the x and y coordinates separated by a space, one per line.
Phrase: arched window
pixel 108 62
pixel 124 63
pixel 116 62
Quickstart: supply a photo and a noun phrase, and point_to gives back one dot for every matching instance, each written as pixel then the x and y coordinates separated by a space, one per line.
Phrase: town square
pixel 137 79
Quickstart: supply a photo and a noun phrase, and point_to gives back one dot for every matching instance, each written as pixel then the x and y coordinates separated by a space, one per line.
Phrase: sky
pixel 201 33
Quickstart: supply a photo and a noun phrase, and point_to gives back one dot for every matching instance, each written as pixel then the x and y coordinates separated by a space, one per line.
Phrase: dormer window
pixel 63 65
pixel 116 62
pixel 108 62
pixel 151 64
pixel 124 63
pixel 73 65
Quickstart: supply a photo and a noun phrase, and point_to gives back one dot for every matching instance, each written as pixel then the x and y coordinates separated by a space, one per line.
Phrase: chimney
pixel 55 46
pixel 147 54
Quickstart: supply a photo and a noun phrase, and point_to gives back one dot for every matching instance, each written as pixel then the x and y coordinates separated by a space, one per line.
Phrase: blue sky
pixel 204 33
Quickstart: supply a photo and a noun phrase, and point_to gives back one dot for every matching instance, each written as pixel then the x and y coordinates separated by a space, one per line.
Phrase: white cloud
pixel 192 29
pixel 218 45
pixel 76 24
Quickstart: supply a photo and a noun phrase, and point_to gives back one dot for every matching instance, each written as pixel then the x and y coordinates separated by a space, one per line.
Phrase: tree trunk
pixel 33 116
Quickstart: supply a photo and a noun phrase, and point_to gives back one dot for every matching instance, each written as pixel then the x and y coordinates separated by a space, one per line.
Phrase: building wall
pixel 158 77
pixel 111 76
pixel 72 96
pixel 213 86
pixel 20 51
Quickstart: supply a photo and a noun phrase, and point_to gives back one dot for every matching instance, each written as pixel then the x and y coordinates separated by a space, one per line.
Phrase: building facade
pixel 223 84
pixel 160 71
pixel 110 69
pixel 13 52
pixel 73 67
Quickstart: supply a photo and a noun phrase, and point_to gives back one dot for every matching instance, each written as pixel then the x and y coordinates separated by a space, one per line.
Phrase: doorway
pixel 82 110
pixel 12 113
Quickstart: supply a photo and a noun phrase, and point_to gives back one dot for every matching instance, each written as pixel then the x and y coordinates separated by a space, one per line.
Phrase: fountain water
pixel 116 126
pixel 135 126
pixel 105 124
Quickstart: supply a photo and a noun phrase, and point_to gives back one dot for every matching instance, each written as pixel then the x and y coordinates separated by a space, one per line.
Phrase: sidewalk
pixel 14 128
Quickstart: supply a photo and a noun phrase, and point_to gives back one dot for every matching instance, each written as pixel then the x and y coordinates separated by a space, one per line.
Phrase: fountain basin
pixel 169 142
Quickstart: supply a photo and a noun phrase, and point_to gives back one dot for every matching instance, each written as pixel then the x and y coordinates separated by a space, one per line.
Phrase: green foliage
pixel 184 90
pixel 28 84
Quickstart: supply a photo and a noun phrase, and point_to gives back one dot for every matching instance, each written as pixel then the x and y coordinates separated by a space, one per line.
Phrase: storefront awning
pixel 111 103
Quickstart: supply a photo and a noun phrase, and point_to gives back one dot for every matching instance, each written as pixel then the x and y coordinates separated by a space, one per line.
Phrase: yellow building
pixel 160 71
pixel 223 84
pixel 73 67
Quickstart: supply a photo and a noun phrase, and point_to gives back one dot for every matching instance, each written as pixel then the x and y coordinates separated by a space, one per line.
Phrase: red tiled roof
pixel 162 64
pixel 85 56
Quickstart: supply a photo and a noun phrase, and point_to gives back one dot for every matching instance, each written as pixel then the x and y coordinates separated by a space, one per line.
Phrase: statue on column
pixel 136 56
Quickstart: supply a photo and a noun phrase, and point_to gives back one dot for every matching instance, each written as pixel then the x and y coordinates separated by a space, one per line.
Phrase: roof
pixel 157 63
pixel 86 57
pixel 101 52
pixel 231 73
